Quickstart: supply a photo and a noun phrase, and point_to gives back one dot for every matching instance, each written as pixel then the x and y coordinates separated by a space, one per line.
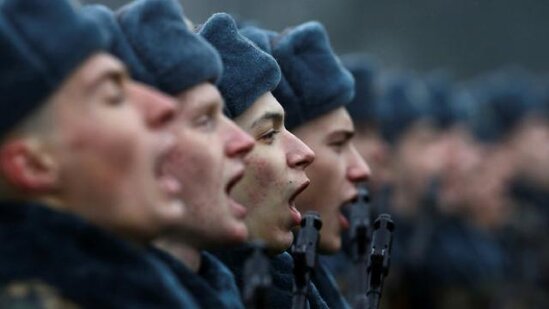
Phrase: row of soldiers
pixel 464 169
pixel 143 160
pixel 150 162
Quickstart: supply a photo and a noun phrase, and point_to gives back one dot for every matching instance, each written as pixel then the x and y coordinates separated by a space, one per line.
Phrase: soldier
pixel 314 90
pixel 374 149
pixel 363 110
pixel 275 174
pixel 82 157
pixel 512 198
pixel 210 149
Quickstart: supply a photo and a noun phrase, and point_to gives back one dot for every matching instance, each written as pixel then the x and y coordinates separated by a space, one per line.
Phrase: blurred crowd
pixel 463 167
pixel 150 162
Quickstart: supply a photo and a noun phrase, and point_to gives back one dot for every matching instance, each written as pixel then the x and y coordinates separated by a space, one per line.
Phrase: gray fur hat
pixel 176 57
pixel 314 82
pixel 248 72
pixel 119 45
pixel 41 45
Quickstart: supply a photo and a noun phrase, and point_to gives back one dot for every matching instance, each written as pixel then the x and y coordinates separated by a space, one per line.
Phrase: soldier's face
pixel 462 158
pixel 110 139
pixel 530 147
pixel 334 174
pixel 419 157
pixel 375 151
pixel 486 194
pixel 208 162
pixel 274 175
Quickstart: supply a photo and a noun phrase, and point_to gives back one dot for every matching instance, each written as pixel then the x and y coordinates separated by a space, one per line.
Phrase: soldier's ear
pixel 27 166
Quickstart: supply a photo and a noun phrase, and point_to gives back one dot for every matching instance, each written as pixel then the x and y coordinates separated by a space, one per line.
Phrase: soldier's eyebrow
pixel 343 135
pixel 206 105
pixel 275 117
pixel 117 74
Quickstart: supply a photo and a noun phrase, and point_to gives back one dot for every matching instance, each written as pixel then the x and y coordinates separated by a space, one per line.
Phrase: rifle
pixel 360 234
pixel 380 258
pixel 257 278
pixel 305 257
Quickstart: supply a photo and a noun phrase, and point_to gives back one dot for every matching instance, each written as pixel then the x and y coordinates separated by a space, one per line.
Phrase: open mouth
pixel 296 215
pixel 300 189
pixel 344 212
pixel 238 210
pixel 168 183
pixel 234 180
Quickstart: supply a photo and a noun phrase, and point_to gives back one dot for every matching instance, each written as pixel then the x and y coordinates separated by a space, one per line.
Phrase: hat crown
pixel 365 71
pixel 177 58
pixel 41 46
pixel 314 80
pixel 119 45
pixel 248 71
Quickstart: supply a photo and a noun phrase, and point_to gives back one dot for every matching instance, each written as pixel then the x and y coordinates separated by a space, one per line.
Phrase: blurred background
pixel 451 111
pixel 467 37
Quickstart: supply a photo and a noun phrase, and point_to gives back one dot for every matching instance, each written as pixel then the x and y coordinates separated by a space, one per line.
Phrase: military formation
pixel 151 161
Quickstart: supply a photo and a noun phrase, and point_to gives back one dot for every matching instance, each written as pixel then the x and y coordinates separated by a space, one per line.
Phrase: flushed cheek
pixel 194 166
pixel 199 174
pixel 261 180
pixel 325 188
pixel 179 163
pixel 327 168
pixel 118 151
pixel 115 166
pixel 262 171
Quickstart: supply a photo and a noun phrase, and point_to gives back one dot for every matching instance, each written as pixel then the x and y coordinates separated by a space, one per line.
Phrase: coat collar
pixel 89 266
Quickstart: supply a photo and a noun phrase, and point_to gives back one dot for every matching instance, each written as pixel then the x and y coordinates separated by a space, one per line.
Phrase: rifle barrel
pixel 305 257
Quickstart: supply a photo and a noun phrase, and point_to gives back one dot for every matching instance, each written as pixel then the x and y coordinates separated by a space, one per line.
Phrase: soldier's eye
pixel 206 121
pixel 269 137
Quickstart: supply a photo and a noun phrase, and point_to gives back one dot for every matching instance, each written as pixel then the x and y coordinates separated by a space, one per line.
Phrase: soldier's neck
pixel 188 255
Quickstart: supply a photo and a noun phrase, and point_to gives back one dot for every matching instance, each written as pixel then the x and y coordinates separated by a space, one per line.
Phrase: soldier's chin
pixel 329 246
pixel 240 234
pixel 237 210
pixel 170 189
pixel 343 222
pixel 282 243
pixel 176 207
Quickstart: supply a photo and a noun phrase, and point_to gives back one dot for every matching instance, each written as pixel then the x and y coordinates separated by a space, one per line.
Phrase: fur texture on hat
pixel 404 101
pixel 365 71
pixel 119 45
pixel 505 98
pixel 248 72
pixel 314 82
pixel 176 57
pixel 261 37
pixel 41 45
